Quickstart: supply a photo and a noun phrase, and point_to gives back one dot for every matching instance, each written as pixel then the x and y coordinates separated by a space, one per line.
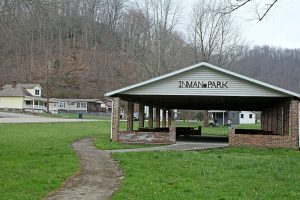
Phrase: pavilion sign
pixel 203 84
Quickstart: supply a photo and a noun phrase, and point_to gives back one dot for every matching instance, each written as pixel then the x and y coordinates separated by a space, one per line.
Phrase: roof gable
pixel 9 91
pixel 204 79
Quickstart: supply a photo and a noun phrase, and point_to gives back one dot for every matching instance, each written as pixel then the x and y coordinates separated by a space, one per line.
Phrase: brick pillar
pixel 269 114
pixel 115 122
pixel 130 107
pixel 157 117
pixel 164 119
pixel 264 121
pixel 286 118
pixel 294 123
pixel 150 118
pixel 274 120
pixel 280 120
pixel 169 118
pixel 141 115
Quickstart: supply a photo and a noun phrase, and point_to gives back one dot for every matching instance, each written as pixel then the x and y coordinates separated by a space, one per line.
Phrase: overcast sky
pixel 280 28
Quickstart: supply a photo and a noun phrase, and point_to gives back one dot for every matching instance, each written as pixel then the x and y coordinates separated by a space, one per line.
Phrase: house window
pixel 81 105
pixel 250 116
pixel 37 92
pixel 28 103
pixel 61 105
pixel 36 103
pixel 242 115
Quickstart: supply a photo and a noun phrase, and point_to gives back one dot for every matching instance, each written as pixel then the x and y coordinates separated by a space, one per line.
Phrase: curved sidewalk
pixel 99 176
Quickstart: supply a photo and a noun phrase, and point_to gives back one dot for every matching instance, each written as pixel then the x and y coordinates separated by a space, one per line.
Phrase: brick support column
pixel 150 118
pixel 280 120
pixel 295 123
pixel 274 120
pixel 115 121
pixel 286 118
pixel 141 115
pixel 130 107
pixel 269 119
pixel 169 118
pixel 262 120
pixel 157 117
pixel 164 118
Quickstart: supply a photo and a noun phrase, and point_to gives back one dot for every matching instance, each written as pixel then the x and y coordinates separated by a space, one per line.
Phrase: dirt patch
pixel 98 179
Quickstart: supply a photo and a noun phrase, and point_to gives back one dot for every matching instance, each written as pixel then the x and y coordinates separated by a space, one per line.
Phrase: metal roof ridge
pixel 205 64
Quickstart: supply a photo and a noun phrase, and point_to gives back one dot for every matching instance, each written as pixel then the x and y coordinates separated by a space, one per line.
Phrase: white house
pixel 56 105
pixel 247 117
pixel 27 97
pixel 80 105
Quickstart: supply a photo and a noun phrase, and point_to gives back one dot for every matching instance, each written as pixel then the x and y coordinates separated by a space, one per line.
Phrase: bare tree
pixel 213 35
pixel 155 25
pixel 260 8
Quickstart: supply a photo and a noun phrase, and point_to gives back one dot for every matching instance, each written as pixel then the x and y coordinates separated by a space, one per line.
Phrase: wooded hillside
pixel 86 48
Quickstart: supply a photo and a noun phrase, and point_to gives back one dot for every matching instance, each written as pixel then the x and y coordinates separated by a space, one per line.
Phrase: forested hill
pixel 280 67
pixel 85 48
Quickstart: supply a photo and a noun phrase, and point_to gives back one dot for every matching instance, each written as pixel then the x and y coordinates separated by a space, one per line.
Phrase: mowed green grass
pixel 36 159
pixel 231 173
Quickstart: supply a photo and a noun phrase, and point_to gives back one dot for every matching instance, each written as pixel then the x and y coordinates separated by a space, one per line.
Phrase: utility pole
pixel 47 86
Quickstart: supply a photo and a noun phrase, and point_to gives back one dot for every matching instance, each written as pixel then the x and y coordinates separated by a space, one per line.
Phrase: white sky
pixel 280 28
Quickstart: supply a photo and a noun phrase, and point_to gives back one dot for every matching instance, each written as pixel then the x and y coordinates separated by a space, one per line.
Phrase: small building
pixel 204 86
pixel 56 106
pixel 82 105
pixel 25 97
pixel 247 117
pixel 222 117
pixel 236 117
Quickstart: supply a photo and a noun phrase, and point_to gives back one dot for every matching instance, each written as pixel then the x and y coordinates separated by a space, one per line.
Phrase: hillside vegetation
pixel 86 48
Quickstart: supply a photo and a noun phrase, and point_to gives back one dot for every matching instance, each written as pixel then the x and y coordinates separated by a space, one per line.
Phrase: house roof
pixel 18 91
pixel 204 65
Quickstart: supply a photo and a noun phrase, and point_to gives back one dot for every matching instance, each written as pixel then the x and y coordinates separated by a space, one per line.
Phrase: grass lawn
pixel 231 173
pixel 36 158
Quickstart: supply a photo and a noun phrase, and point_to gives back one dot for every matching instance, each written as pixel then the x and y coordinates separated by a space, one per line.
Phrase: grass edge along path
pixel 37 158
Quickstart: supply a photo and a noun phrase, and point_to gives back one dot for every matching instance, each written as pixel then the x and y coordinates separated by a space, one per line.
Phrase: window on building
pixel 250 116
pixel 28 103
pixel 37 92
pixel 81 105
pixel 242 115
pixel 36 103
pixel 61 105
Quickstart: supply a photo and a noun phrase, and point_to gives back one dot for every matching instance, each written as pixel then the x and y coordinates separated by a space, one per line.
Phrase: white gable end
pixel 204 81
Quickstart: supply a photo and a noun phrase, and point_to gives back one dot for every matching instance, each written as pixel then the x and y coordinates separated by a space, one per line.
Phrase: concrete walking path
pixel 179 146
pixel 98 179
pixel 24 118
